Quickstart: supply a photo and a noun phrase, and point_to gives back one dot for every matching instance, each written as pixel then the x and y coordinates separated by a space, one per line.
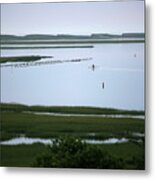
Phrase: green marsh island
pixel 89 132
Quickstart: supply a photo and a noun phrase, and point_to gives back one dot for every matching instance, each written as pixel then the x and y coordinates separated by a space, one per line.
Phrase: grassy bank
pixel 22 58
pixel 21 155
pixel 67 109
pixel 25 155
pixel 13 124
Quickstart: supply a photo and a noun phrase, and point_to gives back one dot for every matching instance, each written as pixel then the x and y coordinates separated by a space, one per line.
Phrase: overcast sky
pixel 73 18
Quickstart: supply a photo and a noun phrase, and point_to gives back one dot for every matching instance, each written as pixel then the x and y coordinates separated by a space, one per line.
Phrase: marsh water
pixel 87 115
pixel 26 140
pixel 114 77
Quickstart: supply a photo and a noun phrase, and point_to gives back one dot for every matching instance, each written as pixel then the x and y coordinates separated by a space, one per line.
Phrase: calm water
pixel 26 140
pixel 119 66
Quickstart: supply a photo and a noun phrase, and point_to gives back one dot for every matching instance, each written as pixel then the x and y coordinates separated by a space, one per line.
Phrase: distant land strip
pixel 93 36
pixel 83 41
pixel 45 47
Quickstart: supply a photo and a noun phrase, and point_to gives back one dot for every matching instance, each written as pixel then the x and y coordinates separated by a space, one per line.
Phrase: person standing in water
pixel 102 85
pixel 93 67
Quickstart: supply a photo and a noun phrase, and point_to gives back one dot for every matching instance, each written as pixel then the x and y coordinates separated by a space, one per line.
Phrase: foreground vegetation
pixel 21 155
pixel 18 120
pixel 72 153
pixel 22 58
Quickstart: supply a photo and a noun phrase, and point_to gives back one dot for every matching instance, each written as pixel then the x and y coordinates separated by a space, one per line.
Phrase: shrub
pixel 73 153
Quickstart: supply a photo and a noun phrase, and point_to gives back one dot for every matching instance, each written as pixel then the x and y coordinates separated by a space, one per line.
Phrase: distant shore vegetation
pixel 66 152
pixel 73 39
pixel 67 36
pixel 45 47
pixel 67 109
pixel 22 58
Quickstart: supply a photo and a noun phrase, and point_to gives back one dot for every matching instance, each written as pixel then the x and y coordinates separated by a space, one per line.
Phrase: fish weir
pixel 39 63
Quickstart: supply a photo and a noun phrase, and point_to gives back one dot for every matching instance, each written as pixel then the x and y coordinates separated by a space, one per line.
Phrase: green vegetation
pixel 67 109
pixel 67 151
pixel 72 153
pixel 44 47
pixel 22 58
pixel 129 155
pixel 21 155
pixel 13 124
pixel 19 119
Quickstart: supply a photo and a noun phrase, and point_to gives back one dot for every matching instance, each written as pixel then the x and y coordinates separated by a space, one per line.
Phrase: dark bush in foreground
pixel 73 153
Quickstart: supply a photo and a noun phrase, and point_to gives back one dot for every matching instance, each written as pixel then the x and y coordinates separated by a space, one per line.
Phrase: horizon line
pixel 73 34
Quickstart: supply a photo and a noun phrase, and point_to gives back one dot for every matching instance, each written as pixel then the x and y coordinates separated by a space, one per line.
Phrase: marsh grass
pixel 67 109
pixel 21 155
pixel 15 123
pixel 22 58
pixel 25 155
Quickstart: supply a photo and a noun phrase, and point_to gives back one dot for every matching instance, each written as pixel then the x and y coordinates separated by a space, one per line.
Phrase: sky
pixel 73 18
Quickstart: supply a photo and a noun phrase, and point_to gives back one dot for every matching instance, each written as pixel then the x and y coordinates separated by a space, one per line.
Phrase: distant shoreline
pixel 71 39
pixel 75 41
pixel 45 47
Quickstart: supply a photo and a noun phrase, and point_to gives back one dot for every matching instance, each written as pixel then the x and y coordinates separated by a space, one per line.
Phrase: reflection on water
pixel 80 83
pixel 107 141
pixel 88 115
pixel 26 140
